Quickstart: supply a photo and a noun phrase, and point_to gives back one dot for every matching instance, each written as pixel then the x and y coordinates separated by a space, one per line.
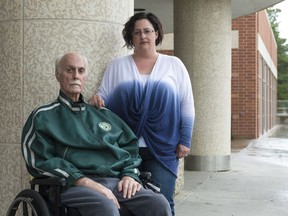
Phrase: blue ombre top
pixel 160 110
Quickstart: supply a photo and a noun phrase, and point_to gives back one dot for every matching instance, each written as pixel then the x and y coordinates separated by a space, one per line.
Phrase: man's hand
pixel 128 186
pixel 96 101
pixel 86 182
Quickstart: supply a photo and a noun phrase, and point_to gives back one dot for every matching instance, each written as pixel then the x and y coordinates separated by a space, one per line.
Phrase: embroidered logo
pixel 105 126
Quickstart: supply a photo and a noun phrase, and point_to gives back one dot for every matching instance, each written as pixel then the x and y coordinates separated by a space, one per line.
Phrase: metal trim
pixel 207 163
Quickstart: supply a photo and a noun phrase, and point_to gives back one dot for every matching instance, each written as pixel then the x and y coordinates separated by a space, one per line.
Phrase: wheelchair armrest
pixel 144 175
pixel 58 181
pixel 49 188
pixel 51 181
pixel 148 182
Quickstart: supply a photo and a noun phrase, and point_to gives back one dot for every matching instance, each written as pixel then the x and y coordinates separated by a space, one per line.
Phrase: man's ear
pixel 57 75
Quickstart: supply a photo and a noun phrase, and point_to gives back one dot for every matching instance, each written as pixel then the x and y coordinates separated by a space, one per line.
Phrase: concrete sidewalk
pixel 256 185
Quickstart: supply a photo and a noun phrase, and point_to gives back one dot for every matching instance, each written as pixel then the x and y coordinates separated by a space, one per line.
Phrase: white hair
pixel 60 57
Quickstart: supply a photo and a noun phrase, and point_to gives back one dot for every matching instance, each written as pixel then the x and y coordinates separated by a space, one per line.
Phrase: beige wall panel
pixel 11 9
pixel 180 178
pixel 10 82
pixel 10 174
pixel 167 43
pixel 100 10
pixel 44 40
pixel 28 51
pixel 215 117
pixel 204 44
pixel 65 9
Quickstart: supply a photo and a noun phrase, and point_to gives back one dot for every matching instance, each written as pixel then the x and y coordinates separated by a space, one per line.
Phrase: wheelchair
pixel 43 198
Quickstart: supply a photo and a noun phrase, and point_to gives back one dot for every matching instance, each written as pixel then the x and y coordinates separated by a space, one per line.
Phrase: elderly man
pixel 94 150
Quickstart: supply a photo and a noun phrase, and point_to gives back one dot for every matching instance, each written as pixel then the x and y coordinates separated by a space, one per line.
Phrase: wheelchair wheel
pixel 32 204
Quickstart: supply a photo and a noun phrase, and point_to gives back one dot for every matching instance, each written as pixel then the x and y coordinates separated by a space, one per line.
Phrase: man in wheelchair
pixel 93 150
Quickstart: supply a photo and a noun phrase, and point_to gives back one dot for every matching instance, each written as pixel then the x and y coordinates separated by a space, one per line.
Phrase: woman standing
pixel 152 93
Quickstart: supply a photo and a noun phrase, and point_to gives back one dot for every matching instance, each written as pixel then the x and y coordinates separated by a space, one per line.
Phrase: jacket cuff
pixel 72 178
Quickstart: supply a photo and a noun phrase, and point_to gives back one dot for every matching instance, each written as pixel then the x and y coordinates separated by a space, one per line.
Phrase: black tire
pixel 33 200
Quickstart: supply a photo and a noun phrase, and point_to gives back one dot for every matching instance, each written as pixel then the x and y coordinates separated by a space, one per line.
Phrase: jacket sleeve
pixel 38 149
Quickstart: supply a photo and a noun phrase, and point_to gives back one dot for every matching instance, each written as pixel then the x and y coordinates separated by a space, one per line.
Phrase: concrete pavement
pixel 256 185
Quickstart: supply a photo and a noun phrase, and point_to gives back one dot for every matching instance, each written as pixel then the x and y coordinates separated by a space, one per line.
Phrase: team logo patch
pixel 105 126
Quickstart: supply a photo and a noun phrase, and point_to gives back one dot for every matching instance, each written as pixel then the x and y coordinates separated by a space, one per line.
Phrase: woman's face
pixel 144 35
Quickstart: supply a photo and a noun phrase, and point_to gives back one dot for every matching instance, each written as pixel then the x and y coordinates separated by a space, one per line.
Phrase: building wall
pixel 244 79
pixel 254 77
pixel 267 51
pixel 32 34
pixel 266 33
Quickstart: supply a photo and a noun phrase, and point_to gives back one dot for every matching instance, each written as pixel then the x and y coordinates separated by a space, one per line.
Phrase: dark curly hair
pixel 130 24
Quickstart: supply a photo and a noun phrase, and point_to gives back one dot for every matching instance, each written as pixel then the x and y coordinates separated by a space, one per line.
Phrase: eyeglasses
pixel 146 32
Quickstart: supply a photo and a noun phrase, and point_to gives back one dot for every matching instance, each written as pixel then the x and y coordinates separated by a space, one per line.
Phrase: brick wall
pixel 254 85
pixel 244 78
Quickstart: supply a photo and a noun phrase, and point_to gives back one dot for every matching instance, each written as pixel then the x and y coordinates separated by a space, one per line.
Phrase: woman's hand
pixel 182 151
pixel 96 101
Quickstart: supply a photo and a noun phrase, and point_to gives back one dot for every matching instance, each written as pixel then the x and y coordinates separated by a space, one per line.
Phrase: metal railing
pixel 282 107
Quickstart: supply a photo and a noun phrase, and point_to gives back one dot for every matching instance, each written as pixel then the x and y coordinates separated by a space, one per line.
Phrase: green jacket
pixel 72 140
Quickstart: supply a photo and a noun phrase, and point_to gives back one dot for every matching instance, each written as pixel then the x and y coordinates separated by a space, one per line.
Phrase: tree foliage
pixel 282 55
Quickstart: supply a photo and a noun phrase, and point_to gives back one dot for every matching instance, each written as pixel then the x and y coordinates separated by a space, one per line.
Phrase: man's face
pixel 72 75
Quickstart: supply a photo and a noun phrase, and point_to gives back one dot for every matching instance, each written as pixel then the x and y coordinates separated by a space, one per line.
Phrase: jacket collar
pixel 74 106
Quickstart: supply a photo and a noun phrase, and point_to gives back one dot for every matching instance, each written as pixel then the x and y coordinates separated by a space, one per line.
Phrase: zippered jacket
pixel 72 140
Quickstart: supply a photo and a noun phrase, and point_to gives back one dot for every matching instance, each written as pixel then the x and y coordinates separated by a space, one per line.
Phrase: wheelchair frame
pixel 41 202
pixel 46 201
